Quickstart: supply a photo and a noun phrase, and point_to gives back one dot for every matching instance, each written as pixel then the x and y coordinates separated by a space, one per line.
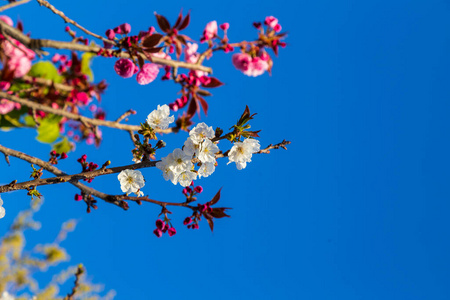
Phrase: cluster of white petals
pixel 178 167
pixel 241 152
pixel 131 181
pixel 2 211
pixel 159 118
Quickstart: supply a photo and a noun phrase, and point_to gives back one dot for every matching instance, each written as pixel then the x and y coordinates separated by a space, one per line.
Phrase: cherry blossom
pixel 159 118
pixel 131 181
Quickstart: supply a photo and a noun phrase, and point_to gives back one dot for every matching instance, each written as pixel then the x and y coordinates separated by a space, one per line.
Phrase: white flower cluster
pixel 2 210
pixel 159 118
pixel 6 295
pixel 241 152
pixel 131 181
pixel 178 167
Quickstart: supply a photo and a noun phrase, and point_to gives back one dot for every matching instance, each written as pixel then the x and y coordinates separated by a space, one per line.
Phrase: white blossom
pixel 168 174
pixel 241 152
pixel 179 161
pixel 206 169
pixel 207 151
pixel 131 181
pixel 201 132
pixel 159 118
pixel 185 178
pixel 191 148
pixel 2 212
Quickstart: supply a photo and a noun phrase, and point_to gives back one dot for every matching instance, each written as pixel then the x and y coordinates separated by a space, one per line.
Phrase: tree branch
pixel 67 20
pixel 13 4
pixel 80 118
pixel 37 44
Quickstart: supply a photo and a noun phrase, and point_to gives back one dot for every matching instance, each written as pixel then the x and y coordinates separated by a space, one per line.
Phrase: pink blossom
pixel 172 231
pixel 125 28
pixel 271 21
pixel 210 30
pixel 157 232
pixel 110 34
pixel 224 26
pixel 148 73
pixel 4 85
pixel 190 50
pixel 248 65
pixel 125 68
pixel 7 20
pixel 6 106
pixel 19 57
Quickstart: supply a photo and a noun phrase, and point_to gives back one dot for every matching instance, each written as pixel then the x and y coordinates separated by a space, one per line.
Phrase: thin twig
pixel 67 20
pixel 76 117
pixel 37 44
pixel 13 4
pixel 47 166
pixel 78 274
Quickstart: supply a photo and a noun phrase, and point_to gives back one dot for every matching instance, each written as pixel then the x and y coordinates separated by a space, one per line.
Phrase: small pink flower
pixel 210 30
pixel 148 73
pixel 172 231
pixel 125 68
pixel 198 189
pixel 158 232
pixel 6 106
pixel 277 28
pixel 4 85
pixel 125 28
pixel 271 21
pixel 110 34
pixel 257 67
pixel 224 26
pixel 7 20
pixel 241 61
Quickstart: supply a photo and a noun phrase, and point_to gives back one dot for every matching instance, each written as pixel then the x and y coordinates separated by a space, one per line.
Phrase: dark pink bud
pixel 158 232
pixel 172 231
pixel 124 68
pixel 160 224
pixel 118 30
pixel 63 155
pixel 110 34
pixel 187 221
pixel 53 153
pixel 78 197
pixel 198 189
pixel 277 28
pixel 185 192
pixel 195 226
pixel 257 25
pixel 224 26
pixel 125 28
pixel 67 28
pixel 188 189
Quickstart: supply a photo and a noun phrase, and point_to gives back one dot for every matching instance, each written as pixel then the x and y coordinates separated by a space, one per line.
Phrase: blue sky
pixel 357 208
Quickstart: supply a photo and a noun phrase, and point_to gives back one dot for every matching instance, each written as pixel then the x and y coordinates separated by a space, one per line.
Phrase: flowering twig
pixel 76 117
pixel 63 177
pixel 67 20
pixel 37 44
pixel 13 4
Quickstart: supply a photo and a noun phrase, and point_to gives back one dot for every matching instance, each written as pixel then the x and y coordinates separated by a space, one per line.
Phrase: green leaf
pixel 47 70
pixel 86 60
pixel 48 130
pixel 63 146
pixel 28 120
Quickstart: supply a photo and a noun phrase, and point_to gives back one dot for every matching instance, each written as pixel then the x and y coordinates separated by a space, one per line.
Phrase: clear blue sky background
pixel 357 208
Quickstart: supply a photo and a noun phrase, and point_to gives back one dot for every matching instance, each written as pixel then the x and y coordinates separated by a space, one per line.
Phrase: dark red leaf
pixel 149 51
pixel 163 23
pixel 211 223
pixel 219 212
pixel 216 198
pixel 180 17
pixel 178 48
pixel 152 40
pixel 185 22
pixel 214 82
pixel 204 104
pixel 141 61
pixel 192 108
pixel 181 39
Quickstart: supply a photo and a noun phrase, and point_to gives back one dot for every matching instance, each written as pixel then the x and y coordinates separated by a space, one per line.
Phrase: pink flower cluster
pixel 18 57
pixel 251 66
pixel 126 68
pixel 163 227
pixel 5 105
pixel 272 22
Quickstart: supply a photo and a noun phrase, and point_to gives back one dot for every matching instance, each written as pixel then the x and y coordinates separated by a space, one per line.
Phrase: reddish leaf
pixel 192 108
pixel 152 40
pixel 180 17
pixel 204 93
pixel 214 82
pixel 211 224
pixel 178 48
pixel 163 23
pixel 185 22
pixel 141 61
pixel 204 104
pixel 216 198
pixel 181 39
pixel 219 212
